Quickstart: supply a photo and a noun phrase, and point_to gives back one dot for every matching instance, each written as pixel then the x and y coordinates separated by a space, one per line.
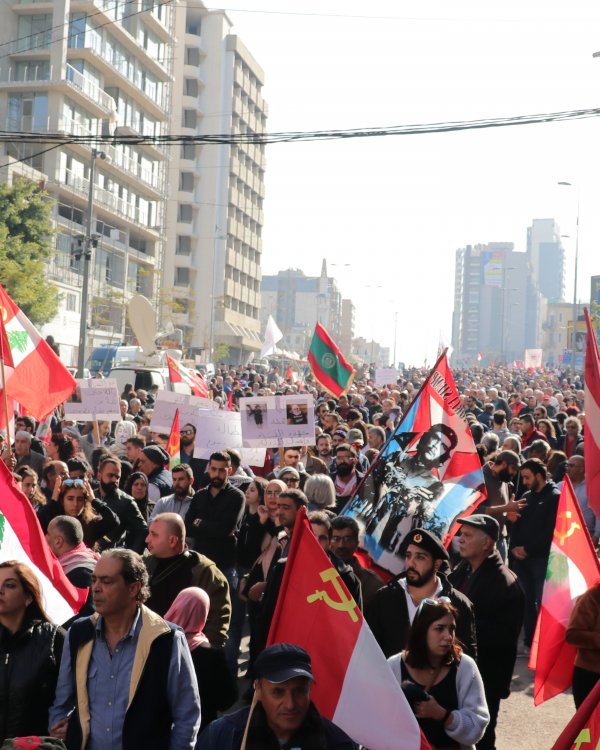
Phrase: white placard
pixel 277 421
pixel 167 403
pixel 94 399
pixel 217 430
pixel 388 376
pixel 533 358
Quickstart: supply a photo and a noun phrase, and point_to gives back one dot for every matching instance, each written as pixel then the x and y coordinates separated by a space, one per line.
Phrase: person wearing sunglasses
pixel 290 477
pixel 441 683
pixel 187 441
pixel 394 606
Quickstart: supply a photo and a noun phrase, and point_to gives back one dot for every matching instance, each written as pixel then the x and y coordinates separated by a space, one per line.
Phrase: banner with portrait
pixel 428 474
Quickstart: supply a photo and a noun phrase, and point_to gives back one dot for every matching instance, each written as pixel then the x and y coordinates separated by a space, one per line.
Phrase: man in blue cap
pixel 282 714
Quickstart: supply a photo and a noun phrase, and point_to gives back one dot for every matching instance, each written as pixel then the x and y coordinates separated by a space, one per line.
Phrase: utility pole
pixel 86 243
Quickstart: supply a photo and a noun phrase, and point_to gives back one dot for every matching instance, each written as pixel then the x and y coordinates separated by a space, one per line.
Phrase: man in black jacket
pixel 214 516
pixel 531 538
pixel 132 529
pixel 394 606
pixel 499 602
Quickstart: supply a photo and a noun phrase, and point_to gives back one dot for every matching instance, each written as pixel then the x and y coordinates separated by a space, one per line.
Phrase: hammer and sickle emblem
pixel 563 534
pixel 344 605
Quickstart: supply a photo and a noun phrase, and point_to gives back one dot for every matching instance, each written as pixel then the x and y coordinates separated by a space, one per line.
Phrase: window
pixel 184 245
pixel 32 70
pixel 189 118
pixel 185 213
pixel 182 276
pixel 188 151
pixel 560 338
pixel 26 112
pixel 192 56
pixel 187 182
pixel 191 87
pixel 34 32
pixel 139 278
pixel 560 317
pixel 71 302
pixel 83 33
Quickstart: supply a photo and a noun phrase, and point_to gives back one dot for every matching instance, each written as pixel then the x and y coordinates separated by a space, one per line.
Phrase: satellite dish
pixel 142 320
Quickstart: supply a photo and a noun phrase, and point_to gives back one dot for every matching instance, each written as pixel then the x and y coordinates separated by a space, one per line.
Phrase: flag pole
pixel 6 408
pixel 388 441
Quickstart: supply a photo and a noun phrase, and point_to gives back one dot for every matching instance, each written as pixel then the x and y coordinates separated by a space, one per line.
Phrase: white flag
pixel 272 336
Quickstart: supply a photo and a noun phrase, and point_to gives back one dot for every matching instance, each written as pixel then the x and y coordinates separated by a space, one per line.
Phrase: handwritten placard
pixel 94 399
pixel 277 421
pixel 167 403
pixel 217 430
pixel 387 376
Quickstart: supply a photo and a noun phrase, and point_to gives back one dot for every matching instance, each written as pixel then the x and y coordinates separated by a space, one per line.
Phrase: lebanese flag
pixel 572 568
pixel 180 374
pixel 40 381
pixel 289 374
pixel 584 727
pixel 479 356
pixel 9 368
pixel 44 432
pixel 174 445
pixel 592 417
pixel 22 539
pixel 355 687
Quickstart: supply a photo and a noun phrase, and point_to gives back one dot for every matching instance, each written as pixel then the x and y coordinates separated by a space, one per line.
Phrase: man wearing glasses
pixel 187 443
pixel 344 544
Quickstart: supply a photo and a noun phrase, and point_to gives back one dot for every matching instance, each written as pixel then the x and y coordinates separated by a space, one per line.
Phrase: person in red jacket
pixel 529 432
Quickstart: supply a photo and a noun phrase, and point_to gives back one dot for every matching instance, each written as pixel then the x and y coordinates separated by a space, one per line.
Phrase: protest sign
pixel 93 400
pixel 217 430
pixel 277 421
pixel 167 403
pixel 387 376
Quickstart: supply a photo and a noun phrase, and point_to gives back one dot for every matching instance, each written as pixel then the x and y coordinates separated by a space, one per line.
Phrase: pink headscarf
pixel 189 611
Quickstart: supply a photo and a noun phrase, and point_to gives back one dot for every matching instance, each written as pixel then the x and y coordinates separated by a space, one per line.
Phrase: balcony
pixel 155 18
pixel 78 184
pixel 90 89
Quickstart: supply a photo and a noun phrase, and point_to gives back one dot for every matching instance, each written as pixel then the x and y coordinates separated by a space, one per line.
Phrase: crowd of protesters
pixel 182 563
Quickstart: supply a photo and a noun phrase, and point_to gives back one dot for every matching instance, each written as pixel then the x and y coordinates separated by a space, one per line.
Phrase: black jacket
pixel 499 603
pixel 106 521
pixel 274 581
pixel 388 617
pixel 535 528
pixel 217 686
pixel 132 529
pixel 220 517
pixel 250 538
pixel 29 665
pixel 561 443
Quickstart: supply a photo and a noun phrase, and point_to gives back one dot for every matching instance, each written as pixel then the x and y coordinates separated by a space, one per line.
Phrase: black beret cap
pixel 483 522
pixel 425 540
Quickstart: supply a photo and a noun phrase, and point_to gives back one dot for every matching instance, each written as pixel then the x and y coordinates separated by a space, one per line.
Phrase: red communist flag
pixel 583 731
pixel 355 687
pixel 572 569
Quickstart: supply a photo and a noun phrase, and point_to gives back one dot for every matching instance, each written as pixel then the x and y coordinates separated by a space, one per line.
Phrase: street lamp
pixel 575 315
pixel 87 242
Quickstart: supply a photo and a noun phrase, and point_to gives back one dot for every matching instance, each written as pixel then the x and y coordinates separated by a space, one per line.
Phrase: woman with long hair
pixel 62 447
pixel 137 487
pixel 30 653
pixel 546 427
pixel 216 685
pixel 74 498
pixel 442 684
pixel 30 486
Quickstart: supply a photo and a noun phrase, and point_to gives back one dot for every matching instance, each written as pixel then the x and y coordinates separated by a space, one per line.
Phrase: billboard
pixel 492 268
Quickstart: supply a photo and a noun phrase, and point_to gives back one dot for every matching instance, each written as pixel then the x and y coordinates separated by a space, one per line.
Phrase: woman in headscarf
pixel 216 685
pixel 137 487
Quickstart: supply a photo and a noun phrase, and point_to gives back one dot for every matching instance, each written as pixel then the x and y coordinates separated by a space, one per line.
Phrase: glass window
pixel 27 112
pixel 71 302
pixel 184 245
pixel 32 70
pixel 182 276
pixel 34 32
pixel 185 213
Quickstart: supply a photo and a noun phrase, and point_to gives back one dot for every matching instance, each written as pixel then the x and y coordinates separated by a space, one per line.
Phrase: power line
pixel 261 139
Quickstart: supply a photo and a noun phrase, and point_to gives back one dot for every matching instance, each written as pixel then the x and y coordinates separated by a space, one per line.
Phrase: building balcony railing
pixel 90 89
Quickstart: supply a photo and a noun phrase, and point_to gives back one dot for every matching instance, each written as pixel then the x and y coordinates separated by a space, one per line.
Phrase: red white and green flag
pixel 354 685
pixel 180 374
pixel 39 380
pixel 572 568
pixel 592 417
pixel 173 446
pixel 328 365
pixel 22 539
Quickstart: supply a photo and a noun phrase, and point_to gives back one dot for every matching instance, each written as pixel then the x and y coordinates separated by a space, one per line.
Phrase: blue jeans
pixel 238 615
pixel 532 573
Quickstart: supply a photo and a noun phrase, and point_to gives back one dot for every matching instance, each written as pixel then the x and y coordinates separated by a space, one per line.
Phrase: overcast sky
pixel 397 208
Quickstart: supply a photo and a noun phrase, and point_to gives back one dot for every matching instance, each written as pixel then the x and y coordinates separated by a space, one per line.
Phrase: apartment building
pixel 94 67
pixel 215 213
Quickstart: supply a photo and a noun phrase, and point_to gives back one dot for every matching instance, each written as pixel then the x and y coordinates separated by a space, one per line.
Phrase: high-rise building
pixel 498 310
pixel 547 256
pixel 215 217
pixel 94 67
pixel 294 299
pixel 347 330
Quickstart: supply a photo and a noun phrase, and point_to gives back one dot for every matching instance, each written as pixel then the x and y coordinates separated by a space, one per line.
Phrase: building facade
pixel 91 67
pixel 215 215
pixel 294 299
pixel 547 256
pixel 347 330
